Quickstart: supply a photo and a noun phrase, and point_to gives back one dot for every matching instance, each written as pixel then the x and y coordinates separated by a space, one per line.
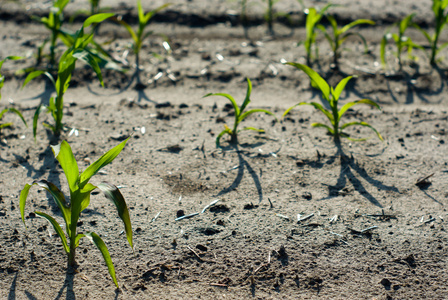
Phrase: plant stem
pixel 71 256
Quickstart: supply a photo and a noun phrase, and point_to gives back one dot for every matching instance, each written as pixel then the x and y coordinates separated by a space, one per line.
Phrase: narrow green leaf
pixel 113 193
pixel 315 77
pixel 340 87
pixel 63 153
pixel 253 129
pixel 23 196
pixel 231 99
pixel 58 197
pixel 57 228
pixel 362 124
pixel 362 101
pixel 248 113
pixel 13 110
pixel 36 119
pixel 98 18
pixel 218 138
pixel 85 194
pixel 31 76
pixel 247 99
pixel 383 50
pixel 355 23
pixel 94 238
pixel 330 130
pixel 129 29
pixel 104 160
pixel 91 61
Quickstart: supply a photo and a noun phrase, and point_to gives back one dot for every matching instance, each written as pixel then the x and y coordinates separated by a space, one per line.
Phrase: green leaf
pixel 94 238
pixel 247 99
pixel 23 196
pixel 317 106
pixel 98 18
pixel 362 124
pixel 129 29
pixel 36 118
pixel 13 110
pixel 90 60
pixel 231 99
pixel 57 228
pixel 113 193
pixel 59 198
pixel 63 153
pixel 104 160
pixel 350 104
pixel 355 23
pixel 31 76
pixel 85 196
pixel 248 113
pixel 340 87
pixel 218 138
pixel 330 130
pixel 315 77
pixel 253 129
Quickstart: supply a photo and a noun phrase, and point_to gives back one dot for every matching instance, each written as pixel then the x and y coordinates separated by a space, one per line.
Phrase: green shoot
pixel 339 35
pixel 11 109
pixel 331 96
pixel 66 67
pixel 139 36
pixel 402 42
pixel 313 18
pixel 439 7
pixel 240 115
pixel 80 190
pixel 53 23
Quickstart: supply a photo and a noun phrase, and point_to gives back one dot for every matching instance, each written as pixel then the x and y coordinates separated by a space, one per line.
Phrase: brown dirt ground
pixel 244 247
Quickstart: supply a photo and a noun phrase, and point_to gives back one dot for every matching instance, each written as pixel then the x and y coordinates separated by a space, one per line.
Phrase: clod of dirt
pixel 172 149
pixel 163 104
pixel 180 213
pixel 250 206
pixel 209 231
pixel 423 182
pixel 119 138
pixel 307 196
pixel 410 259
pixel 386 283
pixel 201 247
pixel 220 208
pixel 220 223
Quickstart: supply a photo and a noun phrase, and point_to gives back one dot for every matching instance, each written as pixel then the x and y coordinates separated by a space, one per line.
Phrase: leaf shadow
pixel 349 167
pixel 242 165
pixel 12 289
pixel 68 284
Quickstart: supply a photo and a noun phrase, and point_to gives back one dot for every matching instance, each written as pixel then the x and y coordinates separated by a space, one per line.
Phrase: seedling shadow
pixel 348 167
pixel 243 164
pixel 12 289
pixel 412 90
pixel 68 284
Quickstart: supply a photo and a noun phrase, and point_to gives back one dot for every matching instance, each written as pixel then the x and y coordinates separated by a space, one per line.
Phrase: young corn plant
pixel 331 96
pixel 139 36
pixel 11 109
pixel 313 17
pixel 80 191
pixel 439 7
pixel 52 22
pixel 402 42
pixel 339 35
pixel 66 67
pixel 240 115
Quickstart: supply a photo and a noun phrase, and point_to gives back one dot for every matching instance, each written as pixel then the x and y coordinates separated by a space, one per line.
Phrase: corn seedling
pixel 240 115
pixel 52 22
pixel 66 67
pixel 80 190
pixel 402 41
pixel 313 17
pixel 11 109
pixel 439 7
pixel 331 96
pixel 339 35
pixel 139 36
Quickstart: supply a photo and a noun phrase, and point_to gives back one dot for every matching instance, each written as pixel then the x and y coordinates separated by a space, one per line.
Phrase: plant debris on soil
pixel 296 217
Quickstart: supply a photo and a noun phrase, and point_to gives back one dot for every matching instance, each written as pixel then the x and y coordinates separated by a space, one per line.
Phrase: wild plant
pixel 331 97
pixel 80 191
pixel 313 17
pixel 401 41
pixel 439 7
pixel 339 35
pixel 139 36
pixel 66 67
pixel 240 115
pixel 10 109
